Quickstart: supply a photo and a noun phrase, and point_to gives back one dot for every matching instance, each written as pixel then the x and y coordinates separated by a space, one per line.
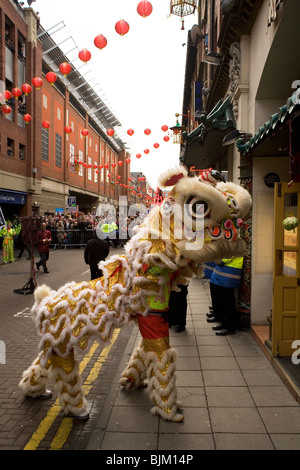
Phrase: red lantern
pixel 130 132
pixel 129 179
pixel 138 155
pixel 110 132
pixel 122 27
pixel 101 166
pixel 108 175
pixel 164 128
pixel 106 165
pixel 26 88
pixel 65 68
pixel 127 160
pixel 95 167
pixel 16 92
pixel 84 132
pixel 147 131
pixel 100 41
pixel 27 118
pixel 46 124
pixel 119 177
pixel 6 109
pixel 156 145
pixel 166 138
pixel 68 129
pixel 114 165
pixel 120 163
pixel 146 151
pixel 8 95
pixel 84 55
pixel 37 82
pixel 51 77
pixel 144 9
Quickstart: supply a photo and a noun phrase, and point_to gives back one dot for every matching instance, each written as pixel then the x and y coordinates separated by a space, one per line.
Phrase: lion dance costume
pixel 169 248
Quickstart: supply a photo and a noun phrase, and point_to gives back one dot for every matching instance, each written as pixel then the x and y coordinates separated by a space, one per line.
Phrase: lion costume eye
pixel 196 208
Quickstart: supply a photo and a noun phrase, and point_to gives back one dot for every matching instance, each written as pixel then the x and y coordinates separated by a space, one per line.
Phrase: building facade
pixel 241 79
pixel 62 159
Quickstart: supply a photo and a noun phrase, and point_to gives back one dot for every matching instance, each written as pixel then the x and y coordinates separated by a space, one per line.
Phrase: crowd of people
pixel 70 230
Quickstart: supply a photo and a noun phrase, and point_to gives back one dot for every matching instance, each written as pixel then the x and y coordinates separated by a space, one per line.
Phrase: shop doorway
pixel 286 276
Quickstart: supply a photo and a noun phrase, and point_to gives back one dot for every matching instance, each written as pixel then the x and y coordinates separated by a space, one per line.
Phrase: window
pixel 96 174
pixel 45 101
pixel 58 114
pixel 21 152
pixel 10 147
pixel 90 168
pixel 72 158
pixel 58 150
pixel 81 160
pixel 45 145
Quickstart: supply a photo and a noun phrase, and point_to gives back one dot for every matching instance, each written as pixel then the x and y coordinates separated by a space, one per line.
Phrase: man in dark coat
pixel 96 250
pixel 43 240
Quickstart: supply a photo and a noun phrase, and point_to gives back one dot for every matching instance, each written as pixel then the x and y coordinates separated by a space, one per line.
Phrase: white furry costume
pixel 137 286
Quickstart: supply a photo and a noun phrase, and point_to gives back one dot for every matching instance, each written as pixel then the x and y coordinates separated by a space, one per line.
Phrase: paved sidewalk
pixel 232 397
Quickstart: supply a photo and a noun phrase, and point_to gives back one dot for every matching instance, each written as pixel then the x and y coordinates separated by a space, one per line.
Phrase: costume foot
pixel 82 417
pixel 46 395
pixel 178 418
pixel 46 271
pixel 179 329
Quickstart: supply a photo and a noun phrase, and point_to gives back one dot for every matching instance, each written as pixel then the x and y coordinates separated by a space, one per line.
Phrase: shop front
pixel 12 203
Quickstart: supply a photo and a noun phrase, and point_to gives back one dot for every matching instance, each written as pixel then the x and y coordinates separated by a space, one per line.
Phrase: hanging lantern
pixel 65 68
pixel 6 109
pixel 84 132
pixel 27 118
pixel 119 177
pixel 130 132
pixel 106 165
pixel 146 151
pixel 100 41
pixel 164 128
pixel 166 138
pixel 120 163
pixel 182 8
pixel 37 82
pixel 110 132
pixel 127 160
pixel 138 155
pixel 114 165
pixel 144 9
pixel 147 131
pixel 46 124
pixel 26 88
pixel 122 27
pixel 84 55
pixel 51 77
pixel 68 129
pixel 108 175
pixel 16 92
pixel 177 131
pixel 7 95
pixel 156 145
pixel 101 166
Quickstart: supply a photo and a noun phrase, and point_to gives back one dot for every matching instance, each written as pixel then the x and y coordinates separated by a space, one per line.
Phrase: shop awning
pixel 204 144
pixel 274 137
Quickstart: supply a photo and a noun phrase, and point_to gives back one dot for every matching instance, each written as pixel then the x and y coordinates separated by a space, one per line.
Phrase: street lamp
pixel 178 129
pixel 182 8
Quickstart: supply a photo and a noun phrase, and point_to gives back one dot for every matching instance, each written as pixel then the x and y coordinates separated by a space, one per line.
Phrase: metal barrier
pixel 71 238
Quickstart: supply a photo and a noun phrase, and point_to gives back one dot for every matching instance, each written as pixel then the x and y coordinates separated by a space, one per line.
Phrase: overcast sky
pixel 140 74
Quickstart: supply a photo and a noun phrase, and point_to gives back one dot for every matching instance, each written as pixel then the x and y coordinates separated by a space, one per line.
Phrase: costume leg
pixel 65 372
pixel 35 379
pixel 160 362
pixel 135 373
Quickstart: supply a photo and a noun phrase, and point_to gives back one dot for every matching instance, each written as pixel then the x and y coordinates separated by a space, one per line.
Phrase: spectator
pixel 44 239
pixel 96 250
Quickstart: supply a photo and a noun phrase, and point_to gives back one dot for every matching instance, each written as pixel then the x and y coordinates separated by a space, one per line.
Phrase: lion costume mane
pixel 197 222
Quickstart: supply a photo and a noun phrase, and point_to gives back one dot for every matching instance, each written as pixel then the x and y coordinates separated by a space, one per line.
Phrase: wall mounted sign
pixel 270 179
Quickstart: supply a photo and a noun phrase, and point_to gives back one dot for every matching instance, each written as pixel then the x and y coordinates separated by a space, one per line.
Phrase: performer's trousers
pixel 154 360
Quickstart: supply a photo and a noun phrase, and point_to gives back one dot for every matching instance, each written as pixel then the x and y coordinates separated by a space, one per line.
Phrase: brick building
pixel 42 168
